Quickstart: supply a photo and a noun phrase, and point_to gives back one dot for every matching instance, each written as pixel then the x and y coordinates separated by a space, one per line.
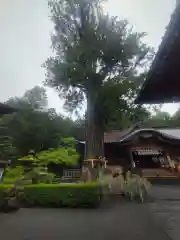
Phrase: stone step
pixel 164 180
pixel 158 173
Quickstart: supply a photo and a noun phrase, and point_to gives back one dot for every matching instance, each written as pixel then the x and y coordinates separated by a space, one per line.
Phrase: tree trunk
pixel 94 131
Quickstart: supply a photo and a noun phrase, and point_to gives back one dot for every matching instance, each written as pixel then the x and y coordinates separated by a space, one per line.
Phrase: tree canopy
pixel 97 61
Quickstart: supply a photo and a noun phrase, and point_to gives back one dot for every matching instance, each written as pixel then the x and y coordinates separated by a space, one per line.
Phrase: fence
pixel 71 174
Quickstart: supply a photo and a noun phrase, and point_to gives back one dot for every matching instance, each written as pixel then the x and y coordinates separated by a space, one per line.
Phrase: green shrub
pixel 13 174
pixel 62 155
pixel 10 180
pixel 62 195
pixel 29 157
pixel 66 154
pixel 16 172
pixel 3 189
pixel 10 196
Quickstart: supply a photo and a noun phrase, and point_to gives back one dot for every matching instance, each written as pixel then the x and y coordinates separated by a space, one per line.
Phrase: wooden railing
pixel 71 174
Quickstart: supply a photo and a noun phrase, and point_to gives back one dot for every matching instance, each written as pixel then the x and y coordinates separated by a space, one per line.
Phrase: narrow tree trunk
pixel 94 132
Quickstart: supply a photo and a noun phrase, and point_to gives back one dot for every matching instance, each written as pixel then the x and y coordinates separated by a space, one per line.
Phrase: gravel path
pixel 126 221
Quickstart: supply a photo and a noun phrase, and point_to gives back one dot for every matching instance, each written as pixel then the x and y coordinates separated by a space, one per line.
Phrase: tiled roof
pixel 114 136
pixel 162 82
pixel 173 134
pixel 120 136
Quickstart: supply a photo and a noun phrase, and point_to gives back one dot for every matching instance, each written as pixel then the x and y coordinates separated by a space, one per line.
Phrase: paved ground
pixel 164 193
pixel 159 220
pixel 165 210
pixel 128 221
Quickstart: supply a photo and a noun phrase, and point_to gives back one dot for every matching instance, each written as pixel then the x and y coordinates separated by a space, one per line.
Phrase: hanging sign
pixel 147 151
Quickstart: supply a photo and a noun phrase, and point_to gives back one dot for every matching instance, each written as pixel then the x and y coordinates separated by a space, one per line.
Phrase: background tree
pixel 31 128
pixel 35 99
pixel 160 119
pixel 96 61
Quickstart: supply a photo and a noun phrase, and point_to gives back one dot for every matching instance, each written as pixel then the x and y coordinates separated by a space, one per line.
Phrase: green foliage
pixel 14 173
pixel 7 180
pixel 15 180
pixel 56 195
pixel 36 173
pixel 39 174
pixel 47 178
pixel 62 195
pixel 36 167
pixel 96 48
pixel 69 142
pixel 27 158
pixel 3 189
pixel 9 198
pixel 36 130
pixel 67 156
pixel 32 128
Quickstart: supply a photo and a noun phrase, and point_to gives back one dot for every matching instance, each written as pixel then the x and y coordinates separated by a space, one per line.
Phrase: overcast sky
pixel 25 39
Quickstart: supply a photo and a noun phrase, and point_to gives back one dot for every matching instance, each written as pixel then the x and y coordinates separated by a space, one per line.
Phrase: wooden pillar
pixel 131 157
pixel 105 164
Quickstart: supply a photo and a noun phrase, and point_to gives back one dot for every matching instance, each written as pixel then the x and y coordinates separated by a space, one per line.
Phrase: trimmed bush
pixel 62 195
pixel 3 189
pixel 9 198
pixel 7 180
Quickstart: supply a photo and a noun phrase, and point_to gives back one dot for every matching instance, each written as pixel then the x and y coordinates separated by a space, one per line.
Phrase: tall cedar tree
pixel 96 61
